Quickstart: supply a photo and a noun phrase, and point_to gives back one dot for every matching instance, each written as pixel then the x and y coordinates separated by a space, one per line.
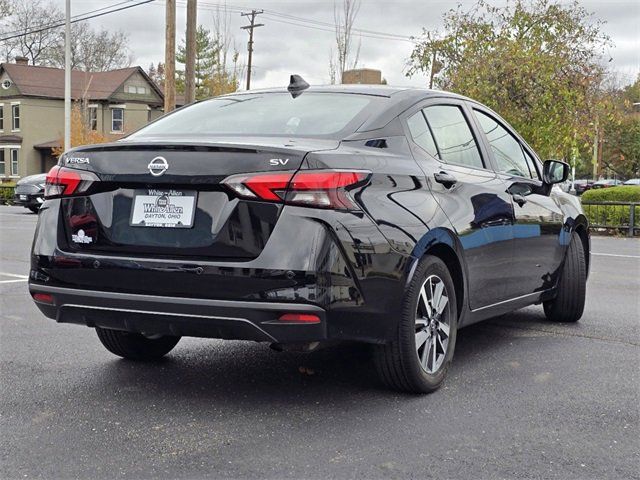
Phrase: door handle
pixel 519 199
pixel 445 179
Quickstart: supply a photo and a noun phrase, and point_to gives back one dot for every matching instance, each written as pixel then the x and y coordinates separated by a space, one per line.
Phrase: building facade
pixel 117 102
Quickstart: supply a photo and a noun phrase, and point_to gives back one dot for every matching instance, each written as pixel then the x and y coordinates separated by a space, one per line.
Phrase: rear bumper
pixel 179 316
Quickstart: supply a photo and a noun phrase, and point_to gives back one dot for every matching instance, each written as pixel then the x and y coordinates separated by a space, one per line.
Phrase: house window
pixel 131 89
pixel 117 119
pixel 15 117
pixel 14 161
pixel 141 90
pixel 1 117
pixel 3 170
pixel 93 118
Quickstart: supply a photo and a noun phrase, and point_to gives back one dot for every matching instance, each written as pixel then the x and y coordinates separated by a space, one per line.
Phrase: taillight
pixel 312 188
pixel 63 182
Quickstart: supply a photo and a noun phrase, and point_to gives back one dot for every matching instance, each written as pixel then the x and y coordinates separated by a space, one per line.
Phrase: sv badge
pixel 275 162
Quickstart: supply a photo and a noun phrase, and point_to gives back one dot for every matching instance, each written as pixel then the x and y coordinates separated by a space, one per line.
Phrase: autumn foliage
pixel 81 133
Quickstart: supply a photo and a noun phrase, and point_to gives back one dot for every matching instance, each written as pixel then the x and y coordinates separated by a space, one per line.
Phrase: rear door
pixel 473 197
pixel 538 233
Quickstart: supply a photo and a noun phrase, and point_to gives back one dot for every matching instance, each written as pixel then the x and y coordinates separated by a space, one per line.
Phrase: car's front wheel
pixel 135 346
pixel 418 358
pixel 568 305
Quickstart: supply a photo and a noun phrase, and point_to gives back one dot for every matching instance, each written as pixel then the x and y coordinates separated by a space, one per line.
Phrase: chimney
pixel 22 61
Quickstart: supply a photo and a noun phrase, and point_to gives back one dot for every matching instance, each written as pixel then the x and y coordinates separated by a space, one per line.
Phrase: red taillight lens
pixel 320 188
pixel 299 318
pixel 62 181
pixel 43 297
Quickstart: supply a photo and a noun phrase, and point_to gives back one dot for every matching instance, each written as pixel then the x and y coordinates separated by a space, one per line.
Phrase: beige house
pixel 32 110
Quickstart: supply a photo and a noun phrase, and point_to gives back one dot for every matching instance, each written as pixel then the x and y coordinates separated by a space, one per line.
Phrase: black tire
pixel 568 305
pixel 397 362
pixel 135 346
pixel 34 209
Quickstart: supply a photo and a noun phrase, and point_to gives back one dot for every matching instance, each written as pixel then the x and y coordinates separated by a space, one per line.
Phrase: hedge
pixel 612 215
pixel 6 192
pixel 624 193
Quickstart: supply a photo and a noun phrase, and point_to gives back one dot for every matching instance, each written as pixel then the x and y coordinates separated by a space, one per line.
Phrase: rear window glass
pixel 310 114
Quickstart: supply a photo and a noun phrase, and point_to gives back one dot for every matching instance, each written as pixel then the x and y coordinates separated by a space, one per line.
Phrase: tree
pixel 81 133
pixel 345 58
pixel 536 63
pixel 207 54
pixel 621 133
pixel 29 17
pixel 227 70
pixel 92 50
pixel 157 74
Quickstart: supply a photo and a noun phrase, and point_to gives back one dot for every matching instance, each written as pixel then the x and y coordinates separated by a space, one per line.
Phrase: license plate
pixel 23 197
pixel 163 208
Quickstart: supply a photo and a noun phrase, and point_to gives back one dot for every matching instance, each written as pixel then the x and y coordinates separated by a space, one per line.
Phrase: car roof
pixel 358 89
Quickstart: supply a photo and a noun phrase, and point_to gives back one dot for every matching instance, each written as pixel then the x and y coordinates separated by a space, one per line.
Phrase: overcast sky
pixel 282 48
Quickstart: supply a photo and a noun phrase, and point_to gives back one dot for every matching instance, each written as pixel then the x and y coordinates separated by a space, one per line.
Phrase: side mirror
pixel 554 171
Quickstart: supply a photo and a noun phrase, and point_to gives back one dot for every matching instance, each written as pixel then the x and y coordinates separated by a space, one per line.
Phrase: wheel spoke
pixel 444 328
pixel 422 322
pixel 421 337
pixel 439 307
pixel 425 301
pixel 435 353
pixel 424 357
pixel 437 296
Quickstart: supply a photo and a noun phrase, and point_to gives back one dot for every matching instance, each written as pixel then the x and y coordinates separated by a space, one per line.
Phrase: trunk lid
pixel 199 218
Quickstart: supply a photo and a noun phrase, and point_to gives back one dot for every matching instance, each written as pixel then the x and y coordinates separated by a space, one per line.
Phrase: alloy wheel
pixel 432 324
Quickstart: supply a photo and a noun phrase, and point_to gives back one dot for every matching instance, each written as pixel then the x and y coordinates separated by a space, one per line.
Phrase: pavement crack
pixel 566 334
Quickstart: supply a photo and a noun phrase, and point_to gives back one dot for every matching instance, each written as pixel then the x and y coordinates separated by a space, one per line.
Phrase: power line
pixel 60 24
pixel 77 16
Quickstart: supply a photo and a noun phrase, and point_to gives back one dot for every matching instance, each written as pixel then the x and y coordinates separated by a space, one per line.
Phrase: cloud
pixel 282 48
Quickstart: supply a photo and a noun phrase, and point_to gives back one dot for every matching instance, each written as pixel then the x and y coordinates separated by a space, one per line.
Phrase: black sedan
pixel 29 192
pixel 303 216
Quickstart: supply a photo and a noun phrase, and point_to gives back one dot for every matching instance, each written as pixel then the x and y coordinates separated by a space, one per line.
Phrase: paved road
pixel 525 398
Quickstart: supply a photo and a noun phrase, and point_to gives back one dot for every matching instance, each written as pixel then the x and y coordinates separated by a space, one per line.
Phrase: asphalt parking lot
pixel 524 399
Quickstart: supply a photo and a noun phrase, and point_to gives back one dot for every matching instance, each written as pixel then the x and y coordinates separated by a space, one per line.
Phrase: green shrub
pixel 6 192
pixel 612 215
pixel 623 193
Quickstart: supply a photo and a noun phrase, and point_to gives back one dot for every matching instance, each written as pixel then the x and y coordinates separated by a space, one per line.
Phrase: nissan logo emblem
pixel 158 166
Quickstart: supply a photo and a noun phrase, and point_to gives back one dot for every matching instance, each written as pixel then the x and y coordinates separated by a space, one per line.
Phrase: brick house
pixel 32 110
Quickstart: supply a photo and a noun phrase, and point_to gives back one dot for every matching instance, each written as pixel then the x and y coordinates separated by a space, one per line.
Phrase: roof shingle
pixel 49 82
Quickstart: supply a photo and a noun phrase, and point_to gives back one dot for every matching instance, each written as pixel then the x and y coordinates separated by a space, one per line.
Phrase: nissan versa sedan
pixel 307 215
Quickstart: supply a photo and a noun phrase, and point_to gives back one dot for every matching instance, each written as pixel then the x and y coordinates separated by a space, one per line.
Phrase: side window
pixel 421 134
pixel 531 162
pixel 510 157
pixel 453 136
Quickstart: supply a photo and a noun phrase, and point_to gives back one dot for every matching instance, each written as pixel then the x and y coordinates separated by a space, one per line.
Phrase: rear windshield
pixel 308 115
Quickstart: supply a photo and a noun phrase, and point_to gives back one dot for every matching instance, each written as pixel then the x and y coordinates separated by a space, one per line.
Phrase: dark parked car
pixel 606 183
pixel 582 186
pixel 385 215
pixel 29 192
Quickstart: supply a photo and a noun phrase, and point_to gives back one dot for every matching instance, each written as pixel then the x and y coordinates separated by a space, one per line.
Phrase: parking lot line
pixel 16 277
pixel 615 255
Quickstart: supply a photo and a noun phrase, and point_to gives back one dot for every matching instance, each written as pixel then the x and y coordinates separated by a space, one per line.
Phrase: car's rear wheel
pixel 135 346
pixel 418 359
pixel 568 305
pixel 34 209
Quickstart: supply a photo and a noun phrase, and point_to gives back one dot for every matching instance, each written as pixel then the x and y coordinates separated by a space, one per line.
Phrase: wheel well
pixel 450 259
pixel 584 238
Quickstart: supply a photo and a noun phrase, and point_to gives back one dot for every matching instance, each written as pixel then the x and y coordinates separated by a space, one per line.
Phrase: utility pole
pixel 250 27
pixel 67 76
pixel 170 58
pixel 190 66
